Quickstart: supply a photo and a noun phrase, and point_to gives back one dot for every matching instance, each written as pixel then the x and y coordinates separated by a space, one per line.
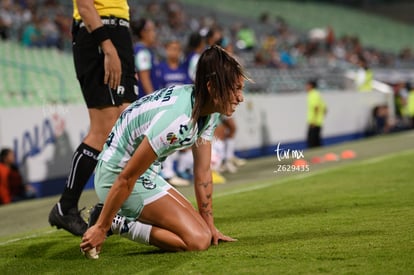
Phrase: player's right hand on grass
pixel 93 238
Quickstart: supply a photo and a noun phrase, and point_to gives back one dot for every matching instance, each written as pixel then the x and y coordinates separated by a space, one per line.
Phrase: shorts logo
pixel 147 183
pixel 120 90
pixel 171 137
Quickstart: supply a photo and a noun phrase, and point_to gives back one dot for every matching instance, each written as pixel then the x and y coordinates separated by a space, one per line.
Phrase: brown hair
pixel 138 26
pixel 223 71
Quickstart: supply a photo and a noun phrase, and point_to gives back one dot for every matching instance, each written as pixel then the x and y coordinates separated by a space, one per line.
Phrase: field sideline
pixel 323 221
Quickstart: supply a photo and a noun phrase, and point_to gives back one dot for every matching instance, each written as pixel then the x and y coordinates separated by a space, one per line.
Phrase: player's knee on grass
pixel 198 241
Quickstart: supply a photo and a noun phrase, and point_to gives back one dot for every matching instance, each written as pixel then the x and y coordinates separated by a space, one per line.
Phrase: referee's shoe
pixel 72 221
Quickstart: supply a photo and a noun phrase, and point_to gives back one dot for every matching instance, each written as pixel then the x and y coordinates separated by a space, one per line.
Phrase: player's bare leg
pixel 177 226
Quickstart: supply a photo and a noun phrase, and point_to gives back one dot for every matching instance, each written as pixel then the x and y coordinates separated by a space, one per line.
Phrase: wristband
pixel 100 34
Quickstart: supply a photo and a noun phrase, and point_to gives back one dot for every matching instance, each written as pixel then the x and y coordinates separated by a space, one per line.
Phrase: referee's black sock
pixel 83 164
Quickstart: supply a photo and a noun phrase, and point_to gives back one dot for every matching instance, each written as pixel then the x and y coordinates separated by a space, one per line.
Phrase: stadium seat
pixel 36 76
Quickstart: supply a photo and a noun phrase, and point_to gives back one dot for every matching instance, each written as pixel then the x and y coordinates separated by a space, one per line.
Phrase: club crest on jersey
pixel 147 183
pixel 171 138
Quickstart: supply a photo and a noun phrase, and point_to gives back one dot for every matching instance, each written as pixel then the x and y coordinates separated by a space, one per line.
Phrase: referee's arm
pixel 92 20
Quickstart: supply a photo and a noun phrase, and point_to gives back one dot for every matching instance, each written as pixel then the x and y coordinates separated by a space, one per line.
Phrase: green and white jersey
pixel 164 117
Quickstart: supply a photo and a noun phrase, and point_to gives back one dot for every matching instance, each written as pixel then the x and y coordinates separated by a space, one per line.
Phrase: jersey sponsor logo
pixel 171 138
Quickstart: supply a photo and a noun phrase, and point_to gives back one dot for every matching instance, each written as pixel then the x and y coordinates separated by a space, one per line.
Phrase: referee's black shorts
pixel 89 66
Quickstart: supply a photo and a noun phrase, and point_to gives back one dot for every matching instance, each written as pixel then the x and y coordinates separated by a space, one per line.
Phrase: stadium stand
pixel 271 81
pixel 306 15
pixel 34 76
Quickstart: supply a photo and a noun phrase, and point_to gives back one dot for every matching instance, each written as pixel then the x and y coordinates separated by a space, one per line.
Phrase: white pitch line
pixel 27 237
pixel 381 158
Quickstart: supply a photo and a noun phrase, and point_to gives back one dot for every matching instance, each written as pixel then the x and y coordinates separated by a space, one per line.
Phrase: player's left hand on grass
pixel 220 237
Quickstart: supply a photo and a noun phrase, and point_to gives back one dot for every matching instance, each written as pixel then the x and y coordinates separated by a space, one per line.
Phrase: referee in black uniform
pixel 104 64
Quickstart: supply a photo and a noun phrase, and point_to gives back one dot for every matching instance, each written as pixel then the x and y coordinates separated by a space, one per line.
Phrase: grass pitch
pixel 349 218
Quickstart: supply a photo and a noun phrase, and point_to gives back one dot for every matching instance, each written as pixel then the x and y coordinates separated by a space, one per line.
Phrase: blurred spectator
pixel 402 93
pixel 5 197
pixel 267 25
pixel 217 155
pixel 381 121
pixel 330 38
pixel 380 115
pixel 382 124
pixel 286 58
pixel 50 33
pixel 32 36
pixel 64 24
pixel 268 56
pixel 315 114
pixel 400 96
pixel 146 61
pixel 6 19
pixel 364 76
pixel 195 46
pixel 405 54
pixel 225 134
pixel 152 11
pixel 17 189
pixel 246 38
pixel 214 35
pixel 176 19
pixel 410 105
pixel 172 70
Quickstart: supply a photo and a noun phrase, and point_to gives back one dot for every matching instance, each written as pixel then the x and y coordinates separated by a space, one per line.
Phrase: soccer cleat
pixel 177 181
pixel 185 175
pixel 218 178
pixel 228 166
pixel 119 223
pixel 71 222
pixel 238 161
pixel 94 214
